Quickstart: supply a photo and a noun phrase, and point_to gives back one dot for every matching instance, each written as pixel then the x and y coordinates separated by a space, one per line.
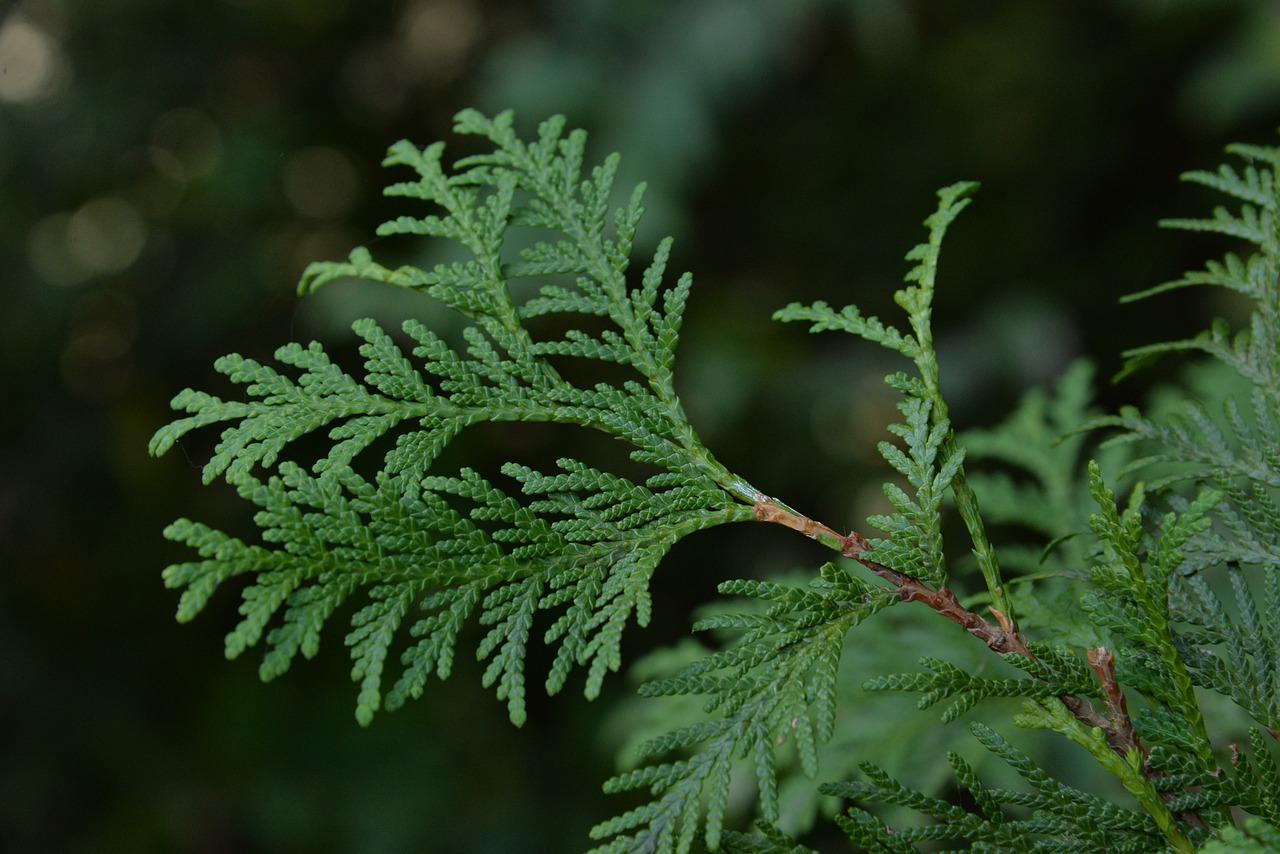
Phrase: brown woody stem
pixel 1002 637
pixel 1121 734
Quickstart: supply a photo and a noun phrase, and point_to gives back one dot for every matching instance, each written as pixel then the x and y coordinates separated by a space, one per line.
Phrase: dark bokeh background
pixel 167 168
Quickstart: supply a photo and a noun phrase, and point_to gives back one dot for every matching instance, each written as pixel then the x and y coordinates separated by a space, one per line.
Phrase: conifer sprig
pixel 458 549
pixel 916 299
pixel 911 558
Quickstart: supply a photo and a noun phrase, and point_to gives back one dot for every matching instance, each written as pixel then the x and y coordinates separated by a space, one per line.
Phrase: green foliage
pixel 916 299
pixel 1252 354
pixel 1242 447
pixel 1055 671
pixel 770 841
pixel 914 546
pixel 1257 837
pixel 1130 600
pixel 1042 487
pixel 1149 595
pixel 930 463
pixel 574 552
pixel 457 549
pixel 774 686
pixel 1249 783
pixel 1035 490
pixel 1060 818
pixel 1238 658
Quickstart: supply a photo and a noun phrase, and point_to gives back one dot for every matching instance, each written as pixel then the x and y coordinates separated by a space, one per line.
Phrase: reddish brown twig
pixel 772 510
pixel 1003 637
pixel 1121 733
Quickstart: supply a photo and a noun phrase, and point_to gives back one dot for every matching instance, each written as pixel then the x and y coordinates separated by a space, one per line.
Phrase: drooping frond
pixel 436 553
pixel 586 542
pixel 774 686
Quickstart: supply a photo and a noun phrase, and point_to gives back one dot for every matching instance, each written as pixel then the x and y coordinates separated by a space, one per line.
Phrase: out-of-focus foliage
pixel 1257 837
pixel 168 169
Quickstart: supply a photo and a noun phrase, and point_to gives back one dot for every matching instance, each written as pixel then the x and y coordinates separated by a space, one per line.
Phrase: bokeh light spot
pixel 438 35
pixel 32 66
pixel 106 235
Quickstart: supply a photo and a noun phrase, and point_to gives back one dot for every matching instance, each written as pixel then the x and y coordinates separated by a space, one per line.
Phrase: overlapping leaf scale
pixel 281 409
pixel 768 840
pixel 1256 837
pixel 1251 782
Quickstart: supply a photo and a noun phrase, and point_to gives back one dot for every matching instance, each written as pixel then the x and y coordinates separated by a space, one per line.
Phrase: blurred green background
pixel 168 168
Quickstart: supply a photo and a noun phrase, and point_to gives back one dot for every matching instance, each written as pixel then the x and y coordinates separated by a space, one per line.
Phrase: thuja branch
pixel 1002 638
pixel 1122 735
pixel 918 303
pixel 966 499
pixel 1111 738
